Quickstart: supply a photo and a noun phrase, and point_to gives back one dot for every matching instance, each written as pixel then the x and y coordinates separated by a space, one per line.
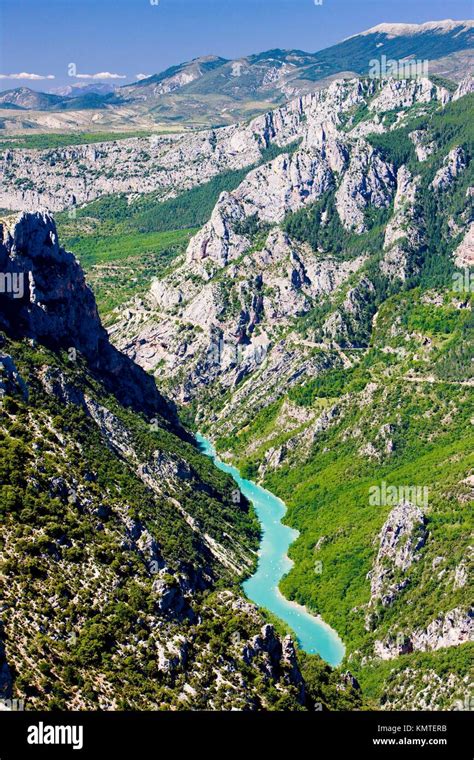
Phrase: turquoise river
pixel 312 633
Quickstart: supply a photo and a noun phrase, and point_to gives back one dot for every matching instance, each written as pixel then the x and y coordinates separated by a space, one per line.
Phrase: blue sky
pixel 130 37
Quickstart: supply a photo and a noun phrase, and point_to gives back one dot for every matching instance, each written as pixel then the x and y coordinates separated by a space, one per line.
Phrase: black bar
pixel 312 735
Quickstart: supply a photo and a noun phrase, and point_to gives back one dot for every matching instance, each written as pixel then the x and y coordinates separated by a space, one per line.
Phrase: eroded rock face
pixel 327 157
pixel 403 206
pixel 233 319
pixel 52 180
pixel 286 184
pixel 454 164
pixel 368 181
pixel 10 379
pixel 423 149
pixel 465 87
pixel 464 253
pixel 170 601
pixel 55 306
pixel 447 630
pixel 450 629
pixel 279 657
pixel 403 238
pixel 397 94
pixel 401 539
pixel 218 242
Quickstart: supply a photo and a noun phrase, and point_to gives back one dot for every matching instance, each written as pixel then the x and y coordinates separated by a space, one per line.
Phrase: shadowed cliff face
pixel 5 675
pixel 44 296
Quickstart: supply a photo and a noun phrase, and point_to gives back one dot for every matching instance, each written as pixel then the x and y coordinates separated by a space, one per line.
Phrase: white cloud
pixel 142 76
pixel 100 75
pixel 26 75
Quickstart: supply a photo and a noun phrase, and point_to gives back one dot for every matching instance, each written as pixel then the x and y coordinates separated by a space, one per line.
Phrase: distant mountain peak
pixel 407 30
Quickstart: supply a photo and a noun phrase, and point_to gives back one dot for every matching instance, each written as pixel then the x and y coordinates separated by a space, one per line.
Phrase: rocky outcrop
pixel 454 164
pixel 232 319
pixel 465 87
pixel 278 657
pixel 170 600
pixel 402 537
pixel 348 681
pixel 464 253
pixel 403 206
pixel 462 573
pixel 218 242
pixel 404 93
pixel 423 148
pixel 449 629
pixel 270 192
pixel 403 238
pixel 368 181
pixel 285 184
pixel 10 379
pixel 57 308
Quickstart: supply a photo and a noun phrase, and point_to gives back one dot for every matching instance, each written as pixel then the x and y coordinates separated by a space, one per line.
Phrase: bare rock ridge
pixel 45 298
pixel 60 178
pixel 243 279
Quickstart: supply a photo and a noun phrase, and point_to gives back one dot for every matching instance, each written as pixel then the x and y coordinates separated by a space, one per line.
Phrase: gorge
pixel 313 635
pixel 319 247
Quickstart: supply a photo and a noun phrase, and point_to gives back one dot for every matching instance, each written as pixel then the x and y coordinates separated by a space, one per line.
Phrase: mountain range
pixel 213 90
